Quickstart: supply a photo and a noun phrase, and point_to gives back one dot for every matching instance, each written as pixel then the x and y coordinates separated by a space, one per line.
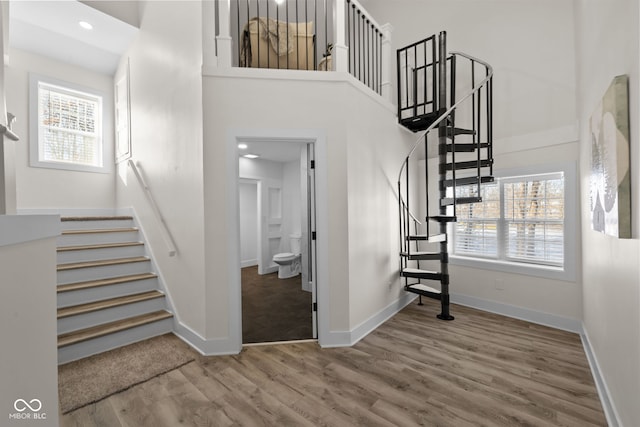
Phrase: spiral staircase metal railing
pixel 428 80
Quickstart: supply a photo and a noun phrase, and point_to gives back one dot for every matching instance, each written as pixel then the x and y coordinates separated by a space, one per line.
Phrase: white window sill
pixel 547 272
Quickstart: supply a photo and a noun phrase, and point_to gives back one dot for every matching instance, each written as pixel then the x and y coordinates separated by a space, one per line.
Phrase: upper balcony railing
pixel 317 35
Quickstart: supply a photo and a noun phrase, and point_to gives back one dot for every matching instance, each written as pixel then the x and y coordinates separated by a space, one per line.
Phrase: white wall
pixel 286 175
pixel 549 301
pixel 531 48
pixel 361 150
pixel 43 188
pixel 291 203
pixel 248 198
pixel 607 35
pixel 528 43
pixel 166 135
pixel 29 368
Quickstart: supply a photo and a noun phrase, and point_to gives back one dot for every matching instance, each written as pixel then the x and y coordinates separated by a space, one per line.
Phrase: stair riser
pixel 88 225
pixel 81 321
pixel 82 296
pixel 103 272
pixel 100 254
pixel 115 340
pixel 97 238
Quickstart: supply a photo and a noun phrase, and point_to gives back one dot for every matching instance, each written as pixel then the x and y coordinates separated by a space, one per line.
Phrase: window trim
pixel 34 137
pixel 565 273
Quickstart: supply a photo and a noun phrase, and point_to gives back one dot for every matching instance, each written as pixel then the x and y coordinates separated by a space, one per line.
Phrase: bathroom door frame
pixel 319 256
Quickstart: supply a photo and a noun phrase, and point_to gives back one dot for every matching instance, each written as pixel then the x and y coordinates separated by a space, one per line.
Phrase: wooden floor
pixel 274 309
pixel 479 370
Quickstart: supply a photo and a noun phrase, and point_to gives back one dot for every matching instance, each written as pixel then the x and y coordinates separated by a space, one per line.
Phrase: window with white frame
pixel 66 124
pixel 521 224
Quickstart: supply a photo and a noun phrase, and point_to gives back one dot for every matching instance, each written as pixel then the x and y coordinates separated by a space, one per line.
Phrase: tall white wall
pixel 607 35
pixel 549 301
pixel 29 368
pixel 43 188
pixel 166 137
pixel 361 150
pixel 528 43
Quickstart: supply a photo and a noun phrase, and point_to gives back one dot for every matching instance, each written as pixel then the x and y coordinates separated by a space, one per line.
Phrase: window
pixel 66 126
pixel 521 225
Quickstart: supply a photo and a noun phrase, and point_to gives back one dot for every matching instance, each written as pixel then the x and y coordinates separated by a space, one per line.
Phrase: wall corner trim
pixel 350 338
pixel 613 420
pixel 207 347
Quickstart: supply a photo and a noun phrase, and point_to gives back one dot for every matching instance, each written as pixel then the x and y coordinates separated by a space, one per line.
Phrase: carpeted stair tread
pixel 98 246
pixel 101 263
pixel 96 218
pixel 104 282
pixel 111 327
pixel 100 231
pixel 107 303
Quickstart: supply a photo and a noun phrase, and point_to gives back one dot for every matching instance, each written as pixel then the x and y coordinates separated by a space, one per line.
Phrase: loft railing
pixel 478 97
pixel 364 40
pixel 292 34
pixel 166 234
pixel 319 35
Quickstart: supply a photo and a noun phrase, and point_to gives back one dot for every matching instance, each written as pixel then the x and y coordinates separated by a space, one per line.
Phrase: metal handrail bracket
pixel 8 133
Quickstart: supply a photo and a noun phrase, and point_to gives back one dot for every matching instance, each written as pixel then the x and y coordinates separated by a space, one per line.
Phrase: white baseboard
pixel 613 420
pixel 349 338
pixel 248 263
pixel 215 347
pixel 538 317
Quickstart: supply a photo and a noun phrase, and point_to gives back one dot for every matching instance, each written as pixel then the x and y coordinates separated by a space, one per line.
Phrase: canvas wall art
pixel 610 186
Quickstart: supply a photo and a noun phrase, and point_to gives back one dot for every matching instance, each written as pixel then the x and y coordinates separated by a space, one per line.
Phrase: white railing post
pixel 209 55
pixel 387 62
pixel 224 34
pixel 340 52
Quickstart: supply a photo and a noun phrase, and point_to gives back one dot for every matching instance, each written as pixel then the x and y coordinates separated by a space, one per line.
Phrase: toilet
pixel 289 262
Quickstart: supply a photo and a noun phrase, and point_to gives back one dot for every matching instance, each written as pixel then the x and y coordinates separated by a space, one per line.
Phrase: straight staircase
pixel 108 295
pixel 461 128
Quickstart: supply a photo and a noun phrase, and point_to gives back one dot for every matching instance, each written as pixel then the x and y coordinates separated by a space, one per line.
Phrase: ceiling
pixel 50 28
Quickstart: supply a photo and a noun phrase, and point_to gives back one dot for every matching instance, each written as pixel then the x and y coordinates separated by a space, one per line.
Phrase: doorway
pixel 276 194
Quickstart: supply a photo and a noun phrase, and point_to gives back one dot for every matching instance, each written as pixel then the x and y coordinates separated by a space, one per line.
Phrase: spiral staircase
pixel 457 129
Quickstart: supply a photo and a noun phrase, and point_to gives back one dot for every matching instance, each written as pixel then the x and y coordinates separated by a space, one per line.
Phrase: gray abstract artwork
pixel 610 194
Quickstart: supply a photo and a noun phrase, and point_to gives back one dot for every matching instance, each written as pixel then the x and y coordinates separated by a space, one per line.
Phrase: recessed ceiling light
pixel 243 146
pixel 279 1
pixel 85 25
pixel 251 156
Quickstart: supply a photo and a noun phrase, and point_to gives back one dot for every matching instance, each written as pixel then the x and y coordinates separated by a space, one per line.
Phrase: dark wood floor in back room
pixel 481 369
pixel 274 309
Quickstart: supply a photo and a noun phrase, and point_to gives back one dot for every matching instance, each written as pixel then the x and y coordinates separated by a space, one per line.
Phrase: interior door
pixel 311 223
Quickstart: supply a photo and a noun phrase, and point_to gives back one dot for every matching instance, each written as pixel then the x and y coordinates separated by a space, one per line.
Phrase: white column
pixel 209 55
pixel 224 36
pixel 340 50
pixel 387 62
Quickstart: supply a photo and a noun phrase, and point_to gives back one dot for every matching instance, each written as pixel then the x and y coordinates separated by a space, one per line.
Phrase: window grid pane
pixel 69 127
pixel 532 221
pixel 534 214
pixel 476 232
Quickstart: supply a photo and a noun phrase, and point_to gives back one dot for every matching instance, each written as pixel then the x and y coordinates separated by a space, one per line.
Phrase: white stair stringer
pixel 108 292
